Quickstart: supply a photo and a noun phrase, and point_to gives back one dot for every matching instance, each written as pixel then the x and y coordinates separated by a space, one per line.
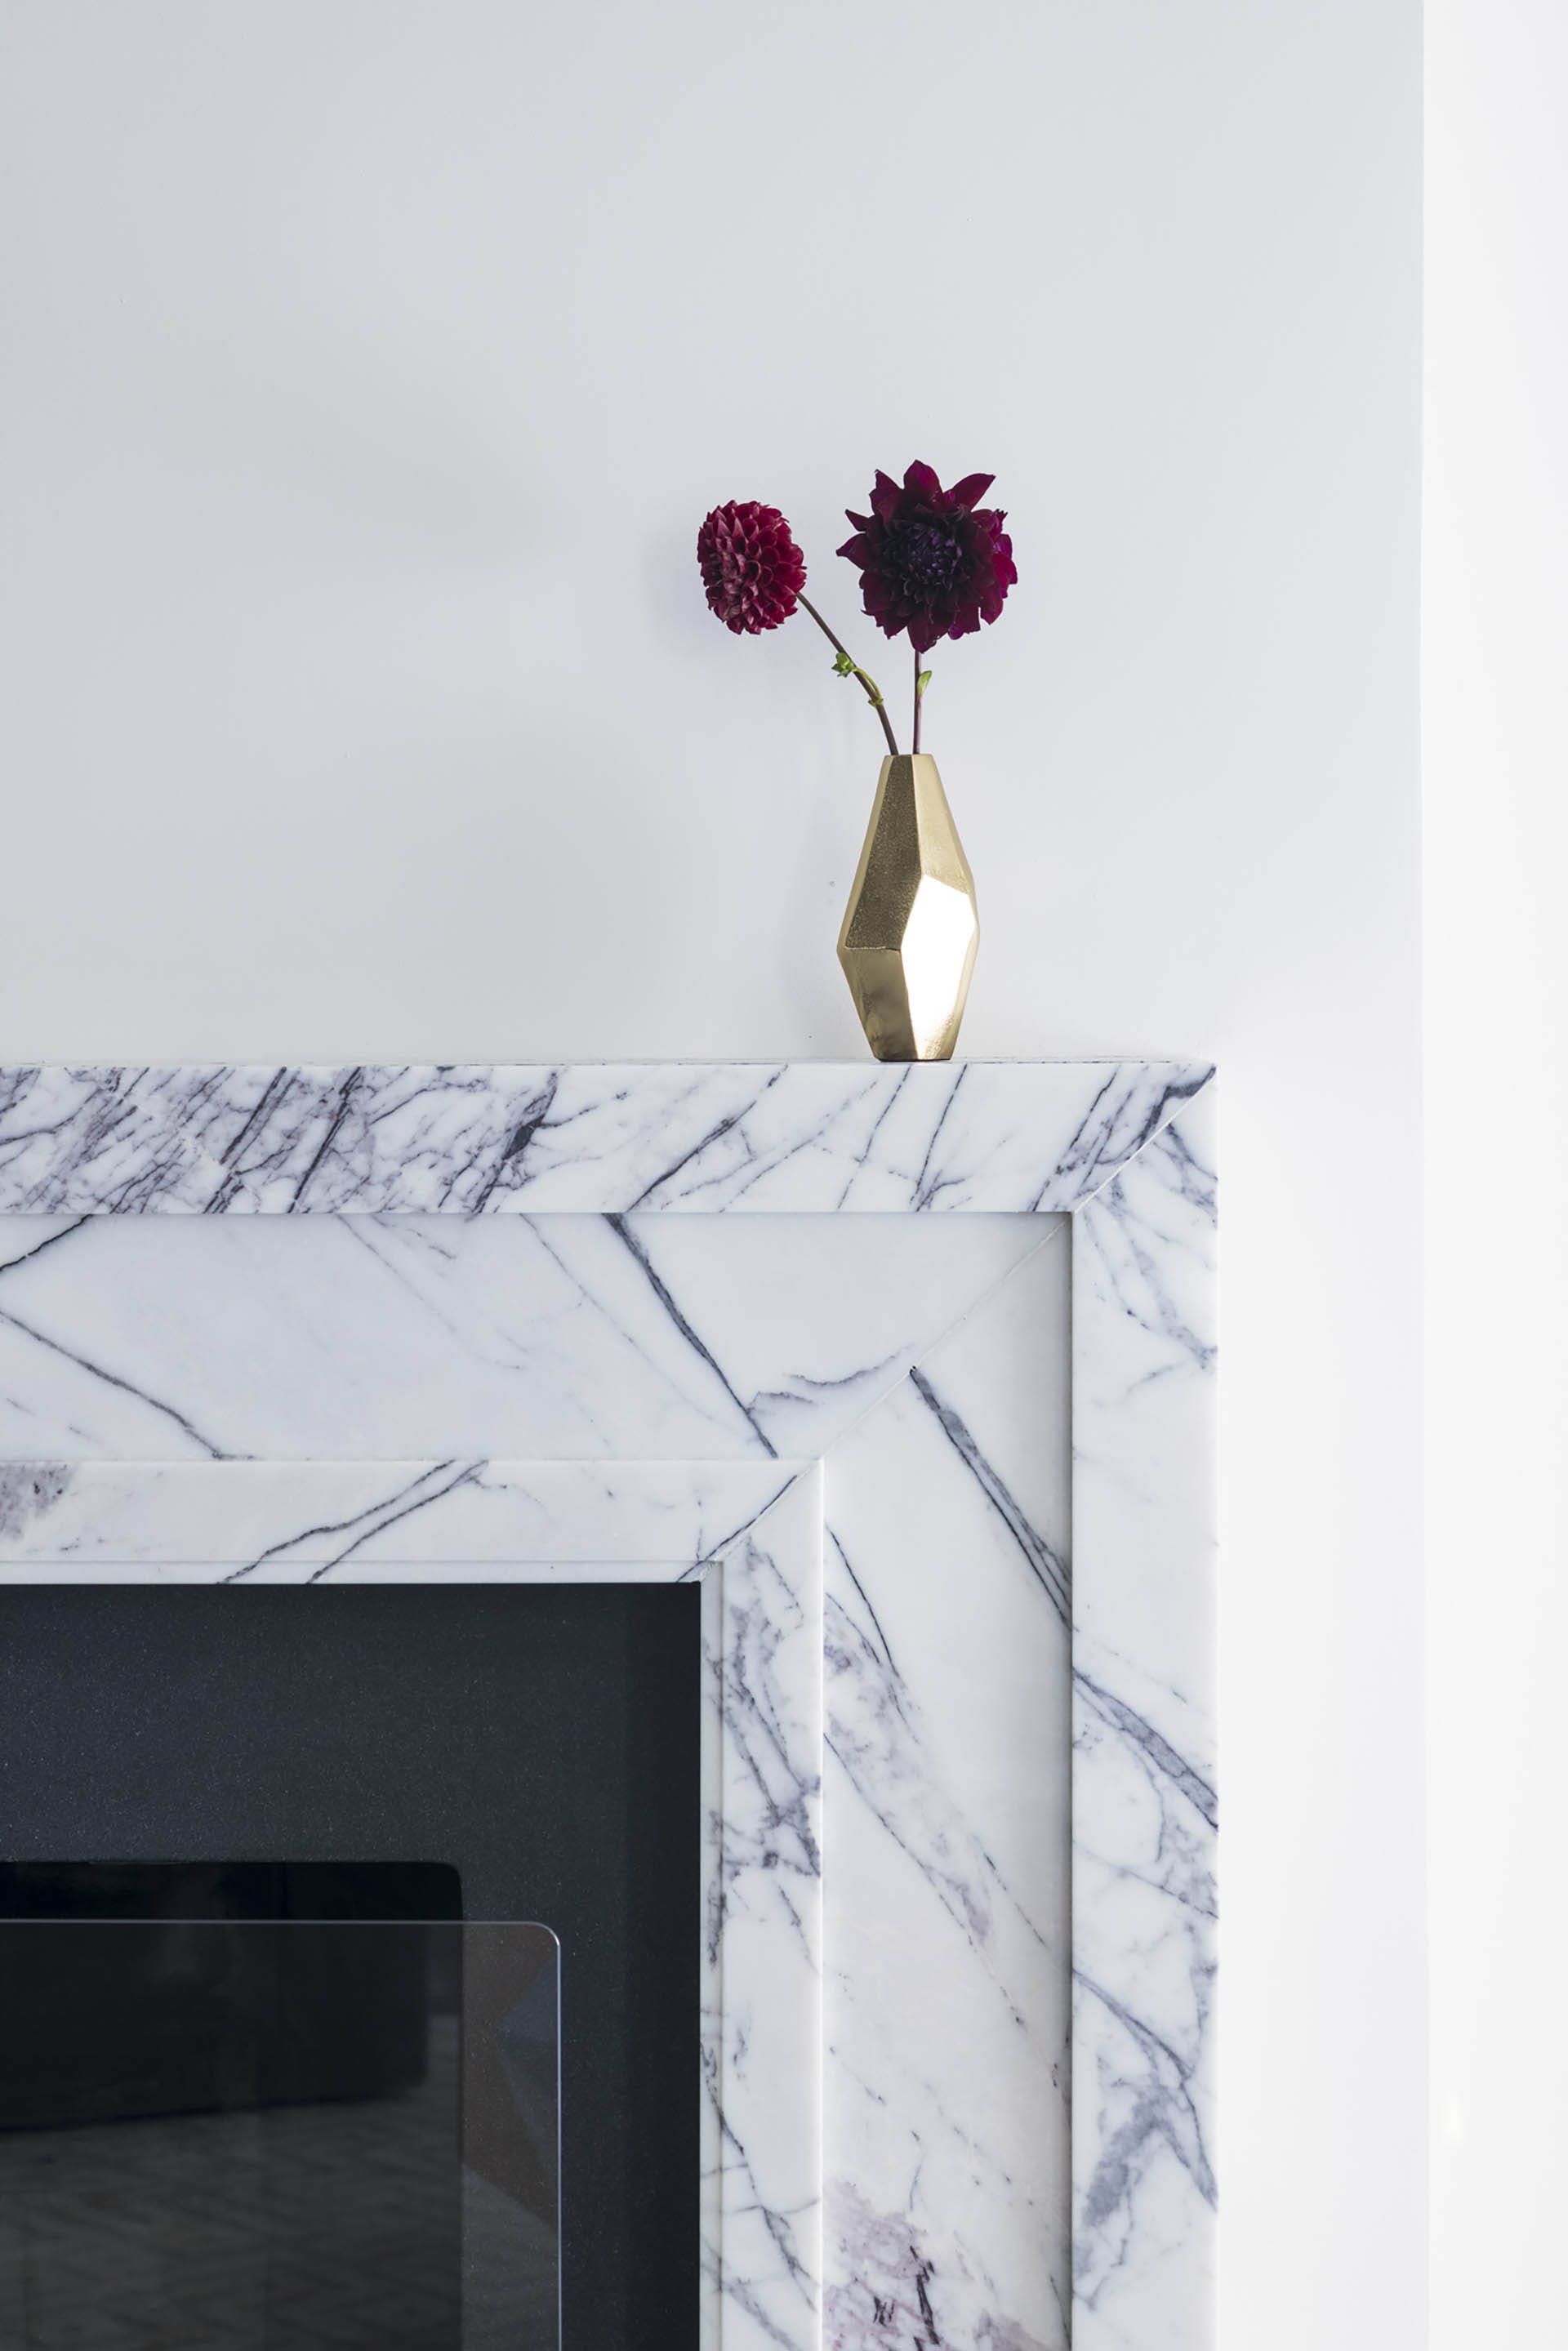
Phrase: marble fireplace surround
pixel 851 1420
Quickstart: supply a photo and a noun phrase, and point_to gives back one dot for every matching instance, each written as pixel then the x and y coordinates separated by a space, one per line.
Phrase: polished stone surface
pixel 915 1368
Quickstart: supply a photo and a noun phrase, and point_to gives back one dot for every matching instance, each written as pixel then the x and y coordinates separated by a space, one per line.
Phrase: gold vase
pixel 911 928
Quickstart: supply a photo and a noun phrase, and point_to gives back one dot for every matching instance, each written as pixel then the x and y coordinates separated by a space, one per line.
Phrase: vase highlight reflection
pixel 911 929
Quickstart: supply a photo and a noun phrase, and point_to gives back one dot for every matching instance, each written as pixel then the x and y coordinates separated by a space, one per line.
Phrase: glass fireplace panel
pixel 278 2136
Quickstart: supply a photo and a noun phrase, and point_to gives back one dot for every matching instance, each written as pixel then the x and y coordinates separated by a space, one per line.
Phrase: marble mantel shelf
pixel 912 1368
pixel 465 1140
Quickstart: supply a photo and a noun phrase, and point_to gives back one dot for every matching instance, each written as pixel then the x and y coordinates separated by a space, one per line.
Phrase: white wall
pixel 370 365
pixel 1496 697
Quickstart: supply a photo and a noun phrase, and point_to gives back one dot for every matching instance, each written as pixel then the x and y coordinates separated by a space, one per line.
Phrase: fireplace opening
pixel 327 2009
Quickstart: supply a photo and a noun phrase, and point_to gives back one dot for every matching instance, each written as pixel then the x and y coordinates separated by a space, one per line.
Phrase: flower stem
pixel 919 690
pixel 853 669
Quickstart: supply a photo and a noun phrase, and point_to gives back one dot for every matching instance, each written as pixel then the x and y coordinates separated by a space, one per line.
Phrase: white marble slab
pixel 300 1521
pixel 507 1338
pixel 1145 1810
pixel 945 1468
pixel 947 1924
pixel 762 1930
pixel 1008 1136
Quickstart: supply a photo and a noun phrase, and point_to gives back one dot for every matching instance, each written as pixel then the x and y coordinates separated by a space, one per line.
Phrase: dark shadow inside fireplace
pixel 405 1752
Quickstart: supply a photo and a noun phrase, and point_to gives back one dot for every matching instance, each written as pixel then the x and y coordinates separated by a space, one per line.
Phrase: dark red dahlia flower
pixel 752 570
pixel 931 561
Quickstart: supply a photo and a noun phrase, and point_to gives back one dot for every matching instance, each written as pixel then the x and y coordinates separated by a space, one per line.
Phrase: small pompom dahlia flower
pixel 752 570
pixel 932 561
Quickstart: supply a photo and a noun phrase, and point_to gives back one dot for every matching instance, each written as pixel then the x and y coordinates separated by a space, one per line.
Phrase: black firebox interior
pixel 505 1751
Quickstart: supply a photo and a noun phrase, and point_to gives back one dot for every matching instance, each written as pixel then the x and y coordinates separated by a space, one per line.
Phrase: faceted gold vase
pixel 911 929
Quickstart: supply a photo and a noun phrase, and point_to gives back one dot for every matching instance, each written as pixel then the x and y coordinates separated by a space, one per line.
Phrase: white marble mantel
pixel 815 1136
pixel 914 1367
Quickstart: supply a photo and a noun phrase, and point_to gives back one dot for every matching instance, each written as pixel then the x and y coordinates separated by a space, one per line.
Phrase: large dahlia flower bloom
pixel 933 562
